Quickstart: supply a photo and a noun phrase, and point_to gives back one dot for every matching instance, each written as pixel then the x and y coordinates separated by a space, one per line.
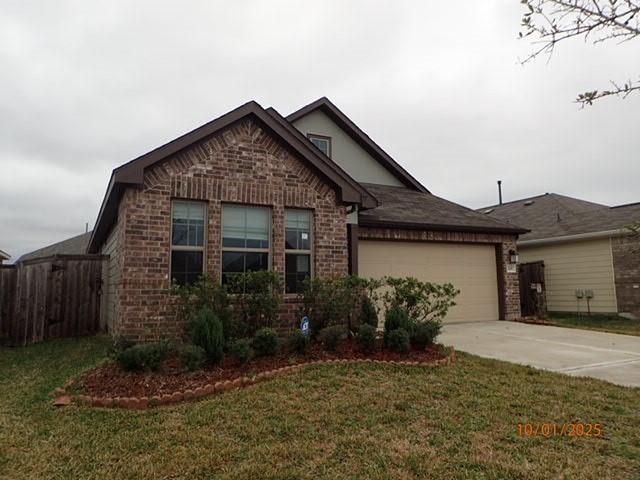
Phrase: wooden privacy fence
pixel 50 297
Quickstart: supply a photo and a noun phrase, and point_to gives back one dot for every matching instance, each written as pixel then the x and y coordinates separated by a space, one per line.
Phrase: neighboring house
pixel 4 256
pixel 72 246
pixel 585 247
pixel 309 194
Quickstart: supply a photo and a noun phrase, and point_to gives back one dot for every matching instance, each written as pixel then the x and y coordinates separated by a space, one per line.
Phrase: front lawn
pixel 601 323
pixel 337 421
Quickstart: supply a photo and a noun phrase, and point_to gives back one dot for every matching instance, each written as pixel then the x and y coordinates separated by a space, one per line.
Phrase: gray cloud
pixel 85 87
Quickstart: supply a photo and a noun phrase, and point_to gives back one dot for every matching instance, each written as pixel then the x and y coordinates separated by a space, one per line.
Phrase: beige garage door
pixel 471 268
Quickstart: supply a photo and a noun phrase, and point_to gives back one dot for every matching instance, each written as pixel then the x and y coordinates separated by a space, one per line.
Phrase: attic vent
pixel 488 210
pixel 528 202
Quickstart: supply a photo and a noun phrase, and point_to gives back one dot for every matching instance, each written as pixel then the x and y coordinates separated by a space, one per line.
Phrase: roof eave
pixel 442 227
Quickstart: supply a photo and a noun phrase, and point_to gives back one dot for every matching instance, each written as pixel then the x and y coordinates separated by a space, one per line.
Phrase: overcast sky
pixel 86 86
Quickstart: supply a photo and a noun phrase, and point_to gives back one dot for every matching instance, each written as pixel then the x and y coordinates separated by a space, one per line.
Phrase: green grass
pixel 601 323
pixel 338 421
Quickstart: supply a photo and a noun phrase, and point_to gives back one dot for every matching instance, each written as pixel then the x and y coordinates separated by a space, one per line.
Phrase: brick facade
pixel 626 267
pixel 508 283
pixel 242 164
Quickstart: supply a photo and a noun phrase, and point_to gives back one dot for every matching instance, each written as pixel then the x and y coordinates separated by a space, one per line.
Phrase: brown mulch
pixel 109 380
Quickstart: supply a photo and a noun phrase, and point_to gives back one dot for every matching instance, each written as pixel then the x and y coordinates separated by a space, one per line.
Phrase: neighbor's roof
pixel 72 246
pixel 552 215
pixel 403 208
pixel 132 173
pixel 4 255
pixel 372 148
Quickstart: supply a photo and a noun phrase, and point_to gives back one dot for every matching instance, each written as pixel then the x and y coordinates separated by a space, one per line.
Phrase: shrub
pixel 241 349
pixel 425 333
pixel 368 314
pixel 298 341
pixel 398 340
pixel 396 317
pixel 266 342
pixel 147 356
pixel 192 357
pixel 331 336
pixel 208 333
pixel 258 296
pixel 422 300
pixel 367 337
pixel 119 345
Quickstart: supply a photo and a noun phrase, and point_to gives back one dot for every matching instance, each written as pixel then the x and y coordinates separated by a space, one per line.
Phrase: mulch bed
pixel 109 380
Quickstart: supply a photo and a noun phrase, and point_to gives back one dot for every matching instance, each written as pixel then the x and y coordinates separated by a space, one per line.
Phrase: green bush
pixel 192 357
pixel 398 340
pixel 257 298
pixel 425 333
pixel 368 314
pixel 147 356
pixel 298 341
pixel 331 336
pixel 422 300
pixel 241 349
pixel 118 345
pixel 396 317
pixel 208 333
pixel 266 342
pixel 367 337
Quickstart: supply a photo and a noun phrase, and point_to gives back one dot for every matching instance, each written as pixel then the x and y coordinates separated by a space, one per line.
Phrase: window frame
pixel 189 248
pixel 311 136
pixel 268 250
pixel 298 251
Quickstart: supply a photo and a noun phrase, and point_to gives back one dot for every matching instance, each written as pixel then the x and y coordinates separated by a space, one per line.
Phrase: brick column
pixel 508 283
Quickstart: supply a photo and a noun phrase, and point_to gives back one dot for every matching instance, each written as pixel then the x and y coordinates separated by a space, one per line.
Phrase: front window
pixel 322 143
pixel 297 249
pixel 245 239
pixel 187 241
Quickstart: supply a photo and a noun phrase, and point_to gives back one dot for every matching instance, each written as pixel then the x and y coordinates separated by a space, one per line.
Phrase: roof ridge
pixel 515 201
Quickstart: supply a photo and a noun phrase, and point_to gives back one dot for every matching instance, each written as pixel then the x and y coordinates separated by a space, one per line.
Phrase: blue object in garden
pixel 304 325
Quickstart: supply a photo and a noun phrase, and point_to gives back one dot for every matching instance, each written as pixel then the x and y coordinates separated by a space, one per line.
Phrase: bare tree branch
pixel 552 21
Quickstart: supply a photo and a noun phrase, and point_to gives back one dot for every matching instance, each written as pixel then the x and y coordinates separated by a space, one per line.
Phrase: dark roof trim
pixel 440 227
pixel 132 173
pixel 56 257
pixel 625 205
pixel 360 138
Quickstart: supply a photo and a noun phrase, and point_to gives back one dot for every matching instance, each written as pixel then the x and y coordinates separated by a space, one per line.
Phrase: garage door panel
pixel 470 268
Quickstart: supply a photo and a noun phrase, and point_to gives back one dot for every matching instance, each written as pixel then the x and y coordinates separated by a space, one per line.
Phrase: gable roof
pixel 403 208
pixel 552 215
pixel 71 246
pixel 372 148
pixel 132 173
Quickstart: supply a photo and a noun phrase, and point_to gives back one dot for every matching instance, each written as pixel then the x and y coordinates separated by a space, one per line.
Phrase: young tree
pixel 552 21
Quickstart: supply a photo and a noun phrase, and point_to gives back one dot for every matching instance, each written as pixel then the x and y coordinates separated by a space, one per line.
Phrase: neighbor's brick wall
pixel 242 164
pixel 626 267
pixel 509 289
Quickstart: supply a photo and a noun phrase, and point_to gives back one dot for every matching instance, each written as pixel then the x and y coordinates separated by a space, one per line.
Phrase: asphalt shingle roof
pixel 72 246
pixel 553 215
pixel 400 206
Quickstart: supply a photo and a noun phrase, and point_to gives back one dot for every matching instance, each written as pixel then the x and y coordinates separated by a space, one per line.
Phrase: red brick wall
pixel 243 164
pixel 626 266
pixel 508 284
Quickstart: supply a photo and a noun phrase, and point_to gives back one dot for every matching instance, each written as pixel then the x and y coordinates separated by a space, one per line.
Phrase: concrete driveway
pixel 607 356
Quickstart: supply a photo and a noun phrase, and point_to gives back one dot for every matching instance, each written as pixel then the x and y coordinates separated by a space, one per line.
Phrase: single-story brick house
pixel 307 194
pixel 586 249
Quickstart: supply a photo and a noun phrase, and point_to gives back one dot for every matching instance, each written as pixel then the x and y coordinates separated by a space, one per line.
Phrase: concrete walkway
pixel 607 356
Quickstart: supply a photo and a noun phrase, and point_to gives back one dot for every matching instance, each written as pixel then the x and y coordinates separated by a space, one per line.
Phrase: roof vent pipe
pixel 500 192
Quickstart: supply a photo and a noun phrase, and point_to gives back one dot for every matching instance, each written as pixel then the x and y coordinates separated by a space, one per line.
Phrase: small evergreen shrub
pixel 119 344
pixel 192 357
pixel 331 336
pixel 241 349
pixel 368 314
pixel 207 333
pixel 398 340
pixel 298 341
pixel 266 342
pixel 147 356
pixel 396 317
pixel 425 333
pixel 367 337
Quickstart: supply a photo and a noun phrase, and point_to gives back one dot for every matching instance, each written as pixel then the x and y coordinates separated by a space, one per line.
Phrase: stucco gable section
pixel 243 156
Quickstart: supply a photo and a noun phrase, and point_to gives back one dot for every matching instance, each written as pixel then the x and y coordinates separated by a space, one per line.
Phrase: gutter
pixel 571 238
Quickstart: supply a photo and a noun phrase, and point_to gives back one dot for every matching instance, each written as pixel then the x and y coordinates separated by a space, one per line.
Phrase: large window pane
pixel 186 266
pixel 188 224
pixel 245 227
pixel 234 263
pixel 298 230
pixel 297 268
